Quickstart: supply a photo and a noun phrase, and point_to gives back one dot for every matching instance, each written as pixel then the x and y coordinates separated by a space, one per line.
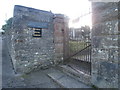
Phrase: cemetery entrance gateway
pixel 79 45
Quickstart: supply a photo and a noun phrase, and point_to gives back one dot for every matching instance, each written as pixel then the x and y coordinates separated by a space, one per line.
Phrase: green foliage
pixel 85 31
pixel 8 24
pixel 95 87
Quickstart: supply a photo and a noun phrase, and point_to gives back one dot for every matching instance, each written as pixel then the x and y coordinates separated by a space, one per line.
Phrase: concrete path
pixel 51 78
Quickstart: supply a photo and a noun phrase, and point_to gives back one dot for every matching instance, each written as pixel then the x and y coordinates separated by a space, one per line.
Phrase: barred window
pixel 37 32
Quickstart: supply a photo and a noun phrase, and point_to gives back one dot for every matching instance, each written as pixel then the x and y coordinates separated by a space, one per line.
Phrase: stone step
pixel 66 81
pixel 76 74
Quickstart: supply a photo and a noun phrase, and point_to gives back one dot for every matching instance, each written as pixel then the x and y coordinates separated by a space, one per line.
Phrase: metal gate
pixel 79 45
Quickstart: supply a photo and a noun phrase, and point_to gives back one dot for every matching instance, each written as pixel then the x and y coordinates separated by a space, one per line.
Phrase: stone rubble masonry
pixel 105 47
pixel 29 53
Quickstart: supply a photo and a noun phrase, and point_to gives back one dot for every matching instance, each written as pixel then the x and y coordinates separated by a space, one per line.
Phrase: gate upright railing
pixel 79 50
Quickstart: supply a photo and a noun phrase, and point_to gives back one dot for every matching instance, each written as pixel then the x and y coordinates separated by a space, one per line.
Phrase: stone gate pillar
pixel 105 47
pixel 60 37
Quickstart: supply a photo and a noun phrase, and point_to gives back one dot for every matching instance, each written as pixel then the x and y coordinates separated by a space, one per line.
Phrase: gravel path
pixel 39 79
pixel 9 79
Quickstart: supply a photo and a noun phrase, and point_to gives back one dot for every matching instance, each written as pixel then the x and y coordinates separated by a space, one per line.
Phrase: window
pixel 37 32
pixel 37 28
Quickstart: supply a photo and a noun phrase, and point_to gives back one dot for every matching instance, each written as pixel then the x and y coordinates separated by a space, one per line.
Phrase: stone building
pixel 36 38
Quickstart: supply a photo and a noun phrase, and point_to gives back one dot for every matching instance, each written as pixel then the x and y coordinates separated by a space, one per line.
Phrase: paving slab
pixel 76 74
pixel 66 81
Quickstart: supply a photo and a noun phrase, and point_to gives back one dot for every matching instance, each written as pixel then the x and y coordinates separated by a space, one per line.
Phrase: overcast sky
pixel 71 8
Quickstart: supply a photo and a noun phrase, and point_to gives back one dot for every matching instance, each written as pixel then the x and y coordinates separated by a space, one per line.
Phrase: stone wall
pixel 105 47
pixel 29 52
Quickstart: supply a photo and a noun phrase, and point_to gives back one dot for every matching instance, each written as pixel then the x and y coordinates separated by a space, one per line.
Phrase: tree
pixel 8 24
pixel 85 31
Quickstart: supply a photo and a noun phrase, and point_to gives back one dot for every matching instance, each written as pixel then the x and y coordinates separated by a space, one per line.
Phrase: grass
pixel 76 45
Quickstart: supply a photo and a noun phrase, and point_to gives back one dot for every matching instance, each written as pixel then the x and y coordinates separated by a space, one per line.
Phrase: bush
pixel 8 24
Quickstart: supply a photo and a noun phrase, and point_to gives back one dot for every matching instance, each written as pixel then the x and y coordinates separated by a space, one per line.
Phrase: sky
pixel 71 8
